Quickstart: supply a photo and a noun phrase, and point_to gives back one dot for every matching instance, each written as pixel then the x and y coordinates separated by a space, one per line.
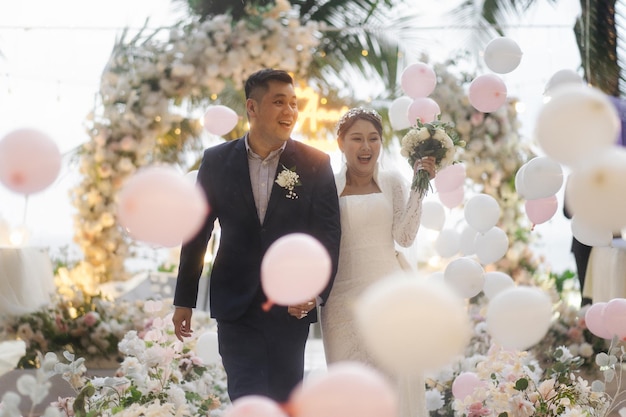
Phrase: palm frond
pixel 596 35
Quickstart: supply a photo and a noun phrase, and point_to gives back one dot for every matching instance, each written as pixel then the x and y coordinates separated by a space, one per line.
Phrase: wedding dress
pixel 371 225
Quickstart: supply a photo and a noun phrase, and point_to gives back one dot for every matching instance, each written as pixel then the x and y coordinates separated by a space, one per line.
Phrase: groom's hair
pixel 258 83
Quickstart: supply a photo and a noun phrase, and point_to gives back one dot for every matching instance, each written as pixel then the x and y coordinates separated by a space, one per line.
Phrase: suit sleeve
pixel 192 253
pixel 326 225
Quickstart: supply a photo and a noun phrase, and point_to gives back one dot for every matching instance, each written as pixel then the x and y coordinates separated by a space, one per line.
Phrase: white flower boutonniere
pixel 288 179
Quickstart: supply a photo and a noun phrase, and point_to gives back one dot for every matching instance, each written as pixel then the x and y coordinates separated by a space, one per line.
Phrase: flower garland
pixel 140 119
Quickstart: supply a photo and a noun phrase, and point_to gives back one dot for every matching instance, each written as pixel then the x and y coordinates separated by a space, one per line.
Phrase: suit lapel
pixel 287 160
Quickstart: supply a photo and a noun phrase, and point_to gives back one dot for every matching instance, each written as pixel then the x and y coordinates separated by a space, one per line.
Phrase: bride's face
pixel 361 145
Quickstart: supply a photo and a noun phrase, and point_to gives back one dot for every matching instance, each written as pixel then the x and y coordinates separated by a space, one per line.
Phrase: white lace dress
pixel 371 225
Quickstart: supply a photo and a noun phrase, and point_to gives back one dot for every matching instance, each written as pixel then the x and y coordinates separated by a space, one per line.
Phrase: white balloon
pixel 468 238
pixel 496 282
pixel 192 176
pixel 543 177
pixel 575 123
pixel 520 186
pixel 219 120
pixel 519 317
pixel 433 215
pixel 491 246
pixel 502 55
pixel 207 348
pixel 596 189
pixel 482 212
pixel 398 113
pixel 466 276
pixel 437 276
pixel 589 234
pixel 561 78
pixel 389 307
pixel 448 243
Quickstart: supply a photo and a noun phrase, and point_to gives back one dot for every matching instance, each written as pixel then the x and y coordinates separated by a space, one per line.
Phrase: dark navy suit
pixel 262 352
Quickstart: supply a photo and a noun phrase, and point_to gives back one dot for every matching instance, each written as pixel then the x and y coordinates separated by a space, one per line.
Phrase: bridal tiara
pixel 355 112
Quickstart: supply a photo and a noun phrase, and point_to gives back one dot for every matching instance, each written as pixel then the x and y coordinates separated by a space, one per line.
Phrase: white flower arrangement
pixel 158 377
pixel 140 119
pixel 288 179
pixel 434 139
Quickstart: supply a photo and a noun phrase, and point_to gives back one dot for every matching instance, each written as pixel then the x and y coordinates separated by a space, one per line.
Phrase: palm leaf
pixel 596 35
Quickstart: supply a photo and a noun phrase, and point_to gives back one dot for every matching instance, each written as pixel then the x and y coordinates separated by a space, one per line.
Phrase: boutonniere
pixel 288 179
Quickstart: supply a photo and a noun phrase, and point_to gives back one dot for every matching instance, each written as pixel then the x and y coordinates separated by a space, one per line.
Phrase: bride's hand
pixel 426 163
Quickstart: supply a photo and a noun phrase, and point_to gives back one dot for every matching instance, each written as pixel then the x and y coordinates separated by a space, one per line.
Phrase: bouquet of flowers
pixel 436 139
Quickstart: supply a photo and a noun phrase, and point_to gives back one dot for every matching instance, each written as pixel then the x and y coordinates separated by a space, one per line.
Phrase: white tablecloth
pixel 606 273
pixel 26 280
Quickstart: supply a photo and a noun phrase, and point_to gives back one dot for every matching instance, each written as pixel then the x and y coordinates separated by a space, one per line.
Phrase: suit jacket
pixel 235 276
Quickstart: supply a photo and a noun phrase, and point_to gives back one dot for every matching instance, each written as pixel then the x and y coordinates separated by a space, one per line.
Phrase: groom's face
pixel 274 114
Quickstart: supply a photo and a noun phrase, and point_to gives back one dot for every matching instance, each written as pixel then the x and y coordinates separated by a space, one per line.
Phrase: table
pixel 26 280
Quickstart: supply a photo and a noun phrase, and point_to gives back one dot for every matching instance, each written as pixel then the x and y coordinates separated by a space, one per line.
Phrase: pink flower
pixel 477 410
pixel 477 118
pixel 91 318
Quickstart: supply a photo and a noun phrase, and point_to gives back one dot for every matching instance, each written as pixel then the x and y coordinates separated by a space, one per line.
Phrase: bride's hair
pixel 356 113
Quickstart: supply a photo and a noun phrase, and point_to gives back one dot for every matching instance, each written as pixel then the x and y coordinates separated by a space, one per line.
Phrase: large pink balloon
pixel 295 269
pixel 254 406
pixel 594 319
pixel 424 108
pixel 614 315
pixel 450 178
pixel 219 120
pixel 418 80
pixel 464 385
pixel 541 210
pixel 452 199
pixel 158 205
pixel 347 389
pixel 29 161
pixel 487 93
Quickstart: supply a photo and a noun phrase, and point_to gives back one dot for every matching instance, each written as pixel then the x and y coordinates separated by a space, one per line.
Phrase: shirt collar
pixel 271 155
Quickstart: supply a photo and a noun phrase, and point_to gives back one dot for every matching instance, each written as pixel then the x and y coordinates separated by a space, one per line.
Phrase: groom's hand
pixel 182 322
pixel 300 311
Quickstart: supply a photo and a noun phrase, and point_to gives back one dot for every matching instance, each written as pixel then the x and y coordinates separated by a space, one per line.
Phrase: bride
pixel 375 215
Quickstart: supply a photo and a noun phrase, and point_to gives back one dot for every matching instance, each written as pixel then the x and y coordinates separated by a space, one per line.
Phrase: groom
pixel 262 352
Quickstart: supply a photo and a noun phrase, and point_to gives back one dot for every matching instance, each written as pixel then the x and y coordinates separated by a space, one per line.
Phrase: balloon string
pixel 587 29
pixel 25 209
pixel 532 227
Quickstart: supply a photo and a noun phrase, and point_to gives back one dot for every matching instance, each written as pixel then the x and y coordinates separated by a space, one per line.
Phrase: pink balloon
pixel 29 161
pixel 158 205
pixel 450 178
pixel 541 210
pixel 424 108
pixel 614 315
pixel 464 384
pixel 487 93
pixel 452 199
pixel 295 269
pixel 254 406
pixel 418 80
pixel 347 389
pixel 594 320
pixel 219 120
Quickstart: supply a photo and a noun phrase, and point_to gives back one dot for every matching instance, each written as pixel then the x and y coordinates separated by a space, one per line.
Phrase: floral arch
pixel 148 91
